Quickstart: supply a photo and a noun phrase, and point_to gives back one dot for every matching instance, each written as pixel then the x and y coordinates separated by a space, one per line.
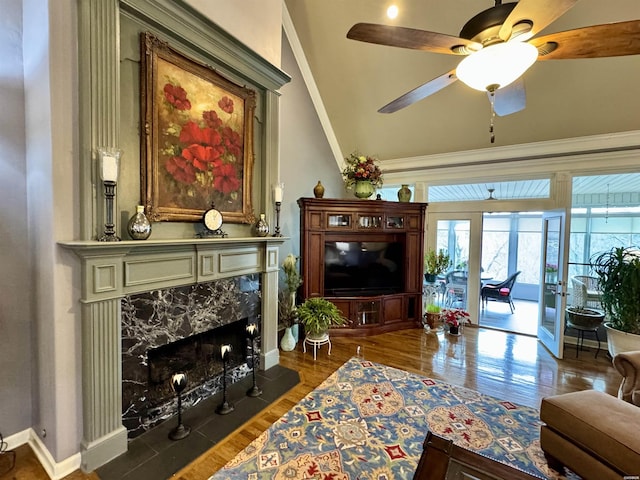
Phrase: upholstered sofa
pixel 594 434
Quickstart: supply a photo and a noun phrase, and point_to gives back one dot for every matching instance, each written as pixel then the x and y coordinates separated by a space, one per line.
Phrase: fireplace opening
pixel 182 329
pixel 198 355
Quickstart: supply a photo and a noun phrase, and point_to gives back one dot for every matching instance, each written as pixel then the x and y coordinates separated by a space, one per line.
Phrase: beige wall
pixel 255 23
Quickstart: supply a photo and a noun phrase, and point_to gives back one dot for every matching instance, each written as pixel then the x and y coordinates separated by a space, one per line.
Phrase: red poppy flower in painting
pixel 232 142
pixel 193 133
pixel 211 118
pixel 226 105
pixel 200 156
pixel 181 169
pixel 177 96
pixel 226 178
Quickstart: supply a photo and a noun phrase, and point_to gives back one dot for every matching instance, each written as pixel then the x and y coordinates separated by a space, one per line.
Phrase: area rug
pixel 369 421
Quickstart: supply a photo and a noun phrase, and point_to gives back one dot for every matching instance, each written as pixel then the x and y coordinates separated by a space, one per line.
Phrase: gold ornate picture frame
pixel 196 138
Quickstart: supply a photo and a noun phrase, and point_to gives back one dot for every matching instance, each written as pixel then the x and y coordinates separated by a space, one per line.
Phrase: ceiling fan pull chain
pixel 492 98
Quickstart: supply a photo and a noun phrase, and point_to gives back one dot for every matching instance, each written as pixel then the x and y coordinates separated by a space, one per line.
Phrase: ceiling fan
pixel 498 47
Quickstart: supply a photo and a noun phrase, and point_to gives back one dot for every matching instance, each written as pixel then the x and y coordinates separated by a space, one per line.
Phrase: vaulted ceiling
pixel 565 98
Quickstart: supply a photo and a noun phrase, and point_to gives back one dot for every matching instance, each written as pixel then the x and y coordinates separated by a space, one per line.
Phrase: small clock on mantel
pixel 212 221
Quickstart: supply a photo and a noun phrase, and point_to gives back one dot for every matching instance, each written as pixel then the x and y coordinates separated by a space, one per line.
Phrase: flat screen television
pixel 363 268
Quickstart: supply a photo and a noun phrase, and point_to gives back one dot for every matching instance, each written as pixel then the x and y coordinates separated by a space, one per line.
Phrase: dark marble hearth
pixel 152 456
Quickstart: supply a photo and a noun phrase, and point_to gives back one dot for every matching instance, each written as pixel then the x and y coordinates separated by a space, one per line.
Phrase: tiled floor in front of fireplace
pixel 153 456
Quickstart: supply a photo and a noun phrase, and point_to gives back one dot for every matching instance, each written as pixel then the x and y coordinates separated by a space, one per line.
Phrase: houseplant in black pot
pixel 435 263
pixel 317 314
pixel 618 272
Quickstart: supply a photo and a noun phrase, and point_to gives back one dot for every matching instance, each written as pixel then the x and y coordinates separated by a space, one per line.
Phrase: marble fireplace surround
pixel 111 270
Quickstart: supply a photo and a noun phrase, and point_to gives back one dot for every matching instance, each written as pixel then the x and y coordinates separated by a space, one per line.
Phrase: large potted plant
pixel 618 272
pixel 317 314
pixel 435 263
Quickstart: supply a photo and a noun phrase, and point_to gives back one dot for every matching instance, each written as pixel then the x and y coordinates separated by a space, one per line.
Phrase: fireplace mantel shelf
pixel 139 246
pixel 114 269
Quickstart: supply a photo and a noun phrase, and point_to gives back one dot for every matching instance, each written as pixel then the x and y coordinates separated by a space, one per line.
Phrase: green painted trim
pixel 182 23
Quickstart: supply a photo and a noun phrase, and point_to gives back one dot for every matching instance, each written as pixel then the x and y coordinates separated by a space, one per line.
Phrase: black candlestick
pixel 178 384
pixel 276 232
pixel 109 232
pixel 254 391
pixel 225 407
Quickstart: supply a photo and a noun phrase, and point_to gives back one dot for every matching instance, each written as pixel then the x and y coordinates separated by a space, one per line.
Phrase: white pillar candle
pixel 277 193
pixel 109 168
pixel 224 351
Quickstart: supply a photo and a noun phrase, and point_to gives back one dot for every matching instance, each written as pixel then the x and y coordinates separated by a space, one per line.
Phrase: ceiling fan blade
pixel 596 41
pixel 539 13
pixel 420 92
pixel 510 99
pixel 411 38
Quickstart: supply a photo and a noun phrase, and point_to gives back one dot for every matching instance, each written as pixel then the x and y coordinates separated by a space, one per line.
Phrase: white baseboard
pixel 17 439
pixel 55 470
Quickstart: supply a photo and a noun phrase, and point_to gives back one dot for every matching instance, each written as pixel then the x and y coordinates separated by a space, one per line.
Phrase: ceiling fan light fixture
pixel 498 64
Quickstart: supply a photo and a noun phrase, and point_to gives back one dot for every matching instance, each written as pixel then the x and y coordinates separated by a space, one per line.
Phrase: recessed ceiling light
pixel 392 11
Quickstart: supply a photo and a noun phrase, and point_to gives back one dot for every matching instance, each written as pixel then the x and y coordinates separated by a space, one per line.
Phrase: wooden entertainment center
pixel 365 256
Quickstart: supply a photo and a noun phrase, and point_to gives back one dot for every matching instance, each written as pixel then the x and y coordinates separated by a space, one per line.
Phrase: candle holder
pixel 225 407
pixel 109 160
pixel 178 384
pixel 276 231
pixel 278 190
pixel 252 333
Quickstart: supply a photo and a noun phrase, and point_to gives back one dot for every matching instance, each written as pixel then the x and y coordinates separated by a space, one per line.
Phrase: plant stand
pixel 316 342
pixel 584 320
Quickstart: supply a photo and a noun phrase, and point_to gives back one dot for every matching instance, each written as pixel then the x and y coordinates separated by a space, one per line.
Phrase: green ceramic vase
pixel 364 189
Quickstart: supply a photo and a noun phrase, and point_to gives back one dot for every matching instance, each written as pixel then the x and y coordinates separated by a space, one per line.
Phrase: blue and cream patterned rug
pixel 368 421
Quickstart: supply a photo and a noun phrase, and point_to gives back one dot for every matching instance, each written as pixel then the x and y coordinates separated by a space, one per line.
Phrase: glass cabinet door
pixel 339 220
pixel 368 312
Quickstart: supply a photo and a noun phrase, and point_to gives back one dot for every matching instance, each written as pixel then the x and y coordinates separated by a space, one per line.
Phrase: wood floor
pixel 507 366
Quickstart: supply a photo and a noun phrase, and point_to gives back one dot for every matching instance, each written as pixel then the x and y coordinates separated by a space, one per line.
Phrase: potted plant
pixel 287 316
pixel 618 272
pixel 432 315
pixel 435 263
pixel 454 318
pixel 293 281
pixel 317 314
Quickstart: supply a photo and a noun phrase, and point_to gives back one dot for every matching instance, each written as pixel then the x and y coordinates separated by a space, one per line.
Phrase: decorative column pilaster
pixel 269 353
pixel 104 436
pixel 99 102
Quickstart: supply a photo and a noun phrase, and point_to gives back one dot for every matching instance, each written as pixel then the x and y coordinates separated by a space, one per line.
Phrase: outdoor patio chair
pixel 456 289
pixel 499 292
pixel 592 293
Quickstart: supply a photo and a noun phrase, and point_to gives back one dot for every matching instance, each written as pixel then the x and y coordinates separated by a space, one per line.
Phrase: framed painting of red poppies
pixel 197 138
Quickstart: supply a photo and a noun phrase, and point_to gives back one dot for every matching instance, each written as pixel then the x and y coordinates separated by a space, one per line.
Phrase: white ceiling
pixel 565 98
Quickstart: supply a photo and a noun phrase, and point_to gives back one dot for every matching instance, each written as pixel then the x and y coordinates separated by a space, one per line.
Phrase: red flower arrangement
pixel 455 316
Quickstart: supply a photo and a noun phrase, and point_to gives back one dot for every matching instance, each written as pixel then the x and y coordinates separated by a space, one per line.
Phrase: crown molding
pixel 554 149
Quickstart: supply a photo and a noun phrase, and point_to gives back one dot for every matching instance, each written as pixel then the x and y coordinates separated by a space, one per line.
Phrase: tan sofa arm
pixel 628 365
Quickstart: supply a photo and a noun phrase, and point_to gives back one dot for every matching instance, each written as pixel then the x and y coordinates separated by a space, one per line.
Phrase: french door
pixel 553 285
pixel 454 232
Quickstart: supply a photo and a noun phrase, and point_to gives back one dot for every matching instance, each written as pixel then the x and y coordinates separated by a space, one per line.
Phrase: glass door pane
pixel 453 237
pixel 552 286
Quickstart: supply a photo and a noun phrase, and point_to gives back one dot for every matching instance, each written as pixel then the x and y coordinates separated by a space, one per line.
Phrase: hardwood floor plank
pixel 511 367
